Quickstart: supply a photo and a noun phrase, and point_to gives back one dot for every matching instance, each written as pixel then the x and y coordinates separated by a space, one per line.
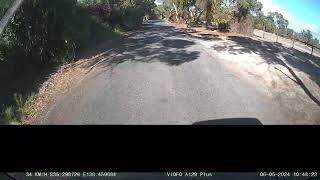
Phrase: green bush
pixel 4 6
pixel 9 115
pixel 12 114
pixel 44 34
pixel 133 17
pixel 132 13
pixel 52 32
pixel 127 13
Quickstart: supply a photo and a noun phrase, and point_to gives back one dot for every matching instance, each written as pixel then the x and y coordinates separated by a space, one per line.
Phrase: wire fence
pixel 289 42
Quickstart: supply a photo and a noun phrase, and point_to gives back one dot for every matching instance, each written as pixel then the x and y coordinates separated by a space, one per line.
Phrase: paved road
pixel 162 76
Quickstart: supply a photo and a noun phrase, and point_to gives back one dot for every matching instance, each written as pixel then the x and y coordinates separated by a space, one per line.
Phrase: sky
pixel 302 14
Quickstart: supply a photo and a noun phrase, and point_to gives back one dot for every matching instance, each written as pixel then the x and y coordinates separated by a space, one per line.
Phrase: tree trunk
pixel 197 18
pixel 191 15
pixel 208 8
pixel 177 14
pixel 293 40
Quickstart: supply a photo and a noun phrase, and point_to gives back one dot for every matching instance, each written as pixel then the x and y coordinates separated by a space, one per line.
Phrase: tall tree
pixel 307 36
pixel 279 21
pixel 245 7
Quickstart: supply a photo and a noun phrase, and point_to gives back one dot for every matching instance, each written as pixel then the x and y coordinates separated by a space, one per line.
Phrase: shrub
pixel 4 6
pixel 46 33
pixel 12 114
pixel 9 115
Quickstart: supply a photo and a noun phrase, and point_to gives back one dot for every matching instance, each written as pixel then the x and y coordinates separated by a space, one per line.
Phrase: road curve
pixel 162 76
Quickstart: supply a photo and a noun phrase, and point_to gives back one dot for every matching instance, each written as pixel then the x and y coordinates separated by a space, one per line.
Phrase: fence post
pixel 293 40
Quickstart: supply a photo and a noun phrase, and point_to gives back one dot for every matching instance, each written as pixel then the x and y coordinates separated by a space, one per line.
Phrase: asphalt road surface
pixel 162 76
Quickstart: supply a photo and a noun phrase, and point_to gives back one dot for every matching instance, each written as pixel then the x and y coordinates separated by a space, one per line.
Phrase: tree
pixel 265 23
pixel 282 24
pixel 165 8
pixel 276 20
pixel 260 21
pixel 315 42
pixel 7 11
pixel 196 11
pixel 208 12
pixel 245 7
pixel 205 7
pixel 202 8
pixel 47 32
pixel 4 6
pixel 290 32
pixel 181 9
pixel 222 13
pixel 283 27
pixel 306 36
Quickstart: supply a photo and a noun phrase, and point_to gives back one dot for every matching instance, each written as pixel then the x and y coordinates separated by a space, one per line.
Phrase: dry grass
pixel 202 30
pixel 60 82
pixel 69 76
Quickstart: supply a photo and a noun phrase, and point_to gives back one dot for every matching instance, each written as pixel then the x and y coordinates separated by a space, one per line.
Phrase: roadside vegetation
pixel 240 16
pixel 5 4
pixel 45 34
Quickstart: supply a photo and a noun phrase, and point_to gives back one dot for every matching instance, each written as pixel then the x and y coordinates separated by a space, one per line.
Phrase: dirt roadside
pixel 286 75
pixel 68 77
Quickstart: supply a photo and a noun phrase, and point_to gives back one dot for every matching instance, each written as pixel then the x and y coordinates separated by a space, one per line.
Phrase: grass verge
pixel 14 112
pixel 25 107
pixel 22 78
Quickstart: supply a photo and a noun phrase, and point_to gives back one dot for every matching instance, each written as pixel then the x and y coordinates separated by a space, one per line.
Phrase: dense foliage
pixel 4 6
pixel 126 13
pixel 51 32
pixel 43 34
pixel 220 12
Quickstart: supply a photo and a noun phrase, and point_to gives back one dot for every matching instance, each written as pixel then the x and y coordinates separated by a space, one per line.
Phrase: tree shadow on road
pixel 277 54
pixel 153 43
